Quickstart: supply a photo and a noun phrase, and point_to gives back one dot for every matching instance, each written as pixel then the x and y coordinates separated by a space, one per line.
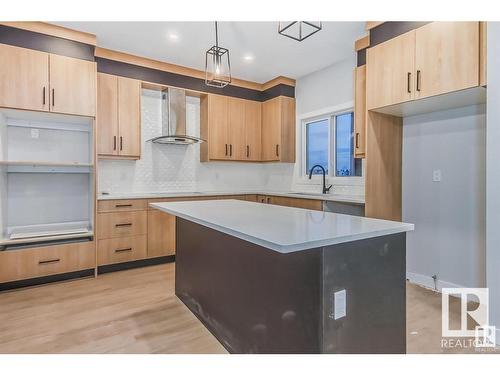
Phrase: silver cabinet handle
pixel 418 80
pixel 408 80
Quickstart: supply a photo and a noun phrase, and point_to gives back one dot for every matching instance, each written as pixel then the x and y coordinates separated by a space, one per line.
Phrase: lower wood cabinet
pixel 46 260
pixel 310 204
pixel 161 234
pixel 121 249
pixel 121 224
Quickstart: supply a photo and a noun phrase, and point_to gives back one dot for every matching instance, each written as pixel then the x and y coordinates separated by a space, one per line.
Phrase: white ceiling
pixel 267 53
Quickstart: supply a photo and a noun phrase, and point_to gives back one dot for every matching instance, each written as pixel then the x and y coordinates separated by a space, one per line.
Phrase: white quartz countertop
pixel 279 228
pixel 318 196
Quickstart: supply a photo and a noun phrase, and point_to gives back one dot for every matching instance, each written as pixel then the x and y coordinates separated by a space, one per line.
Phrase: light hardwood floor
pixel 136 311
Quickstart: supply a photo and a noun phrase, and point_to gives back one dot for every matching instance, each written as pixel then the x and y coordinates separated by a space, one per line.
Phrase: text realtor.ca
pixel 483 337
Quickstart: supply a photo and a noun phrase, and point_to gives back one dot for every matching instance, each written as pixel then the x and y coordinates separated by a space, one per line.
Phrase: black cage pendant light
pixel 299 30
pixel 217 65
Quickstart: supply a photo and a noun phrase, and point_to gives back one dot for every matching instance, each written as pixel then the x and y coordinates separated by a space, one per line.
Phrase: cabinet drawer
pixel 121 205
pixel 119 250
pixel 46 260
pixel 121 224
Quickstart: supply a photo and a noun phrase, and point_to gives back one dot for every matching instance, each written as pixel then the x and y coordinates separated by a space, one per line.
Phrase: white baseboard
pixel 428 282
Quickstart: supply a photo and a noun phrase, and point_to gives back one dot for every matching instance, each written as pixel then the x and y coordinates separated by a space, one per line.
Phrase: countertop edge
pixel 285 249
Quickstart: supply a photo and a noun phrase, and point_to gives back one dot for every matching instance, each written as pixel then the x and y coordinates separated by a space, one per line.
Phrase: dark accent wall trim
pixel 135 264
pixel 187 82
pixel 392 29
pixel 46 43
pixel 361 57
pixel 278 90
pixel 46 279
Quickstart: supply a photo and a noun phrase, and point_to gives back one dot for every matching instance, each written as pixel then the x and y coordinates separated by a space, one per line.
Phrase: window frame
pixel 330 115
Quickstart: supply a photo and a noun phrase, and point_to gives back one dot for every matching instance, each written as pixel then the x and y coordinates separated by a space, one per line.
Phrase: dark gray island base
pixel 257 300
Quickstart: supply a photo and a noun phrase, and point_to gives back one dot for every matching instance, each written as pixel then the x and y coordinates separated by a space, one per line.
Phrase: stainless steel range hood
pixel 173 107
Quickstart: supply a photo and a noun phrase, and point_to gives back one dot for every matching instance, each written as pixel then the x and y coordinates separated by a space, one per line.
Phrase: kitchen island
pixel 273 279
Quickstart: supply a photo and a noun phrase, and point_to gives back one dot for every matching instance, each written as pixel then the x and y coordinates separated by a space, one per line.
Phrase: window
pixel 317 144
pixel 329 143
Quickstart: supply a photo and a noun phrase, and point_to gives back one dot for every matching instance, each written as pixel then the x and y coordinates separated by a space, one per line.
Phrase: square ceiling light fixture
pixel 217 65
pixel 299 30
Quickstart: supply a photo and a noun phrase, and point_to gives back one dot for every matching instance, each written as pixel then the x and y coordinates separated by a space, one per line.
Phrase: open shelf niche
pixel 46 176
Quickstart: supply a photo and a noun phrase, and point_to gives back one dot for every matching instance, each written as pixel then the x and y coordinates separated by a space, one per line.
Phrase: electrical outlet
pixel 339 304
pixel 436 175
pixel 35 133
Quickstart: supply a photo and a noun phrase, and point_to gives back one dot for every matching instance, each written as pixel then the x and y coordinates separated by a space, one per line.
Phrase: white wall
pixel 327 90
pixel 493 175
pixel 449 216
pixel 178 168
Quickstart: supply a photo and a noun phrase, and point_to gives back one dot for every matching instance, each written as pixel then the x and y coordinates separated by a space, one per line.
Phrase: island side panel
pixel 253 299
pixel 373 274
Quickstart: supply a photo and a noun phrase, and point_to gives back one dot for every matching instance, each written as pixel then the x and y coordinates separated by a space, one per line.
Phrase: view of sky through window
pixel 344 160
pixel 317 145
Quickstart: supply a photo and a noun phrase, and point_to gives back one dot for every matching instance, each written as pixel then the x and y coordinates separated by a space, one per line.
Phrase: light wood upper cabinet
pixel 360 111
pixel 24 78
pixel 278 129
pixel 40 81
pixel 107 114
pixel 232 127
pixel 447 57
pixel 390 71
pixel 118 116
pixel 253 130
pixel 218 134
pixel 437 58
pixel 236 129
pixel 72 86
pixel 271 129
pixel 129 117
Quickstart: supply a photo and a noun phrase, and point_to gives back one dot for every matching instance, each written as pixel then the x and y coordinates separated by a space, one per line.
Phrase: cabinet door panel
pixel 24 78
pixel 218 135
pixel 107 114
pixel 360 111
pixel 447 57
pixel 72 86
pixel 253 130
pixel 236 127
pixel 271 129
pixel 390 71
pixel 286 150
pixel 161 234
pixel 129 117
